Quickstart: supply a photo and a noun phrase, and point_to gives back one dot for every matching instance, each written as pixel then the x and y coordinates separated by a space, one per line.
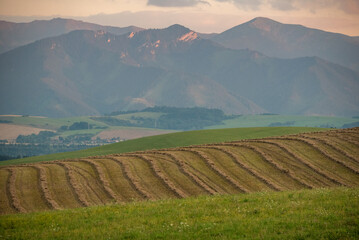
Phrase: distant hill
pixel 94 72
pixel 179 139
pixel 303 161
pixel 13 35
pixel 291 41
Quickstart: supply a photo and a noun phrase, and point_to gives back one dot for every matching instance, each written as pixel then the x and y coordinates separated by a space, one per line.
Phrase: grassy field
pixel 293 162
pixel 171 140
pixel 239 122
pixel 295 121
pixel 49 123
pixel 303 214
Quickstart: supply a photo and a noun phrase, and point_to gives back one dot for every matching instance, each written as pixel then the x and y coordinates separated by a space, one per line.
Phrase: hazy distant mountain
pixel 13 35
pixel 91 72
pixel 290 41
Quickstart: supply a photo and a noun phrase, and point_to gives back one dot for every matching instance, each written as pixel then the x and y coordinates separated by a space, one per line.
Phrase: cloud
pixel 175 3
pixel 350 6
pixel 245 4
pixel 347 6
pixel 283 5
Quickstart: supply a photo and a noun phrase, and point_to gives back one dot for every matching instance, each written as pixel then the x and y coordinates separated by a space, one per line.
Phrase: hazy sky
pixel 199 15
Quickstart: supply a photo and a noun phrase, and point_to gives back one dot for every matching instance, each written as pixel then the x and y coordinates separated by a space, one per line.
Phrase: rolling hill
pixel 96 72
pixel 13 35
pixel 291 41
pixel 179 139
pixel 293 162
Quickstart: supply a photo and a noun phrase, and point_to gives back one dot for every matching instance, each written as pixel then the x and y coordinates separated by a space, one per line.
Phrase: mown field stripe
pixel 314 145
pixel 15 201
pixel 90 188
pixel 103 181
pixel 5 193
pixel 76 188
pixel 213 166
pixel 185 169
pixel 276 165
pixel 308 184
pixel 163 177
pixel 44 188
pixel 349 139
pixel 246 167
pixel 303 161
pixel 327 143
pixel 135 182
pixel 203 172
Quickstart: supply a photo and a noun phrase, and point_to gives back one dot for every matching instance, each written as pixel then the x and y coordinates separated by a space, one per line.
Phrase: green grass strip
pixel 170 140
pixel 305 214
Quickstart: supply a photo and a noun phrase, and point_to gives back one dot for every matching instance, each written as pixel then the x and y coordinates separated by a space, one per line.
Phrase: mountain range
pixel 291 41
pixel 86 72
pixel 13 35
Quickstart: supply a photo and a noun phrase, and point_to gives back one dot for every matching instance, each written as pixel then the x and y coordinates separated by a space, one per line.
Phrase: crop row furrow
pixel 302 160
pixel 246 167
pixel 133 180
pixel 44 187
pixel 104 183
pixel 221 173
pixel 348 138
pixel 186 169
pixel 274 164
pixel 162 177
pixel 327 143
pixel 15 201
pixel 75 187
pixel 89 188
pixel 352 131
pixel 314 145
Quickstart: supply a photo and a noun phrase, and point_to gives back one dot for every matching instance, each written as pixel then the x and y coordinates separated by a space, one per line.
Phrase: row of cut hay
pixel 264 168
pixel 242 166
pixel 221 173
pixel 315 146
pixel 185 169
pixel 297 167
pixel 77 189
pixel 101 176
pixel 43 185
pixel 133 179
pixel 303 161
pixel 330 145
pixel 275 164
pixel 164 179
pixel 15 201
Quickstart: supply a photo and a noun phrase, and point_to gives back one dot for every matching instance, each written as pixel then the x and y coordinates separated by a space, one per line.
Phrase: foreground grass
pixel 179 139
pixel 306 214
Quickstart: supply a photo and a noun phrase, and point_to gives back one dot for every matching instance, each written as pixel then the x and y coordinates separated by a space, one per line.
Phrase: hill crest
pixel 305 161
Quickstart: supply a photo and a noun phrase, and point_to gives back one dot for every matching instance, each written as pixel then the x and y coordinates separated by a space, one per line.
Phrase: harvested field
pixel 303 161
pixel 11 131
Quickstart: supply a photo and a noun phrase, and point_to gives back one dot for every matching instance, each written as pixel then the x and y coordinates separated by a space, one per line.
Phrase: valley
pixel 28 136
pixel 166 132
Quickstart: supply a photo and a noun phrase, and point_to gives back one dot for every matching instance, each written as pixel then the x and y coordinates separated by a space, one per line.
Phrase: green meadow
pixel 284 120
pixel 304 214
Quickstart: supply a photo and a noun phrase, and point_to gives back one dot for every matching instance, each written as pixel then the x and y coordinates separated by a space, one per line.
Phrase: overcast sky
pixel 200 15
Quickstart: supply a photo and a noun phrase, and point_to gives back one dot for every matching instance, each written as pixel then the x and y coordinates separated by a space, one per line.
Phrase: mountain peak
pixel 178 27
pixel 263 23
